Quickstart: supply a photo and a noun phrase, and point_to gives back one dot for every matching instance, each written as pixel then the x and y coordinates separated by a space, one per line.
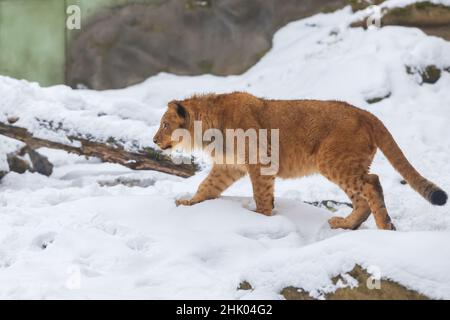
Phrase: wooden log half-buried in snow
pixel 148 159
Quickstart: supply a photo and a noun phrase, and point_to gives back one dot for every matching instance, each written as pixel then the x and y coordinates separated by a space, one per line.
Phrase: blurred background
pixel 123 42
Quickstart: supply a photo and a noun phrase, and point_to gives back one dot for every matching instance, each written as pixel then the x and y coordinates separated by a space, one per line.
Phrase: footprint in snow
pixel 44 240
pixel 5 260
pixel 140 243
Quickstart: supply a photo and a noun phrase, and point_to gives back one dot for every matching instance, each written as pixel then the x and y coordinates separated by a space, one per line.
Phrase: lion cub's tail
pixel 391 150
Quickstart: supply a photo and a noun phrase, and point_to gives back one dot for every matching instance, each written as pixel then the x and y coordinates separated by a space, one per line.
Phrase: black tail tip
pixel 438 198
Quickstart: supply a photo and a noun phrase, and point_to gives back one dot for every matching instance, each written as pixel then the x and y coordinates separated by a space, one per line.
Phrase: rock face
pixel 362 4
pixel 430 18
pixel 17 164
pixel 385 290
pixel 431 74
pixel 125 45
pixel 40 163
pixel 35 162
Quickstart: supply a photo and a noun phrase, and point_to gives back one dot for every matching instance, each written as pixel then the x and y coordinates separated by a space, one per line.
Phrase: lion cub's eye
pixel 165 125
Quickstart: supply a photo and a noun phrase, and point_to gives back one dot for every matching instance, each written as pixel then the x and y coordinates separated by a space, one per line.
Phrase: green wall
pixel 33 36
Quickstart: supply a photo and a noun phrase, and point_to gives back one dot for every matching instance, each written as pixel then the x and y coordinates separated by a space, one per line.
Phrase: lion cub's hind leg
pixel 347 165
pixel 373 193
pixel 217 181
pixel 366 190
pixel 353 221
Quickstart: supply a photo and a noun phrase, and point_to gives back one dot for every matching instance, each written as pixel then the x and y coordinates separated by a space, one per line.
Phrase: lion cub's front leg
pixel 217 181
pixel 263 189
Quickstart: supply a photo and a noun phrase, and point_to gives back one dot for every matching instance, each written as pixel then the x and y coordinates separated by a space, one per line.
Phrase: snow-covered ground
pixel 77 235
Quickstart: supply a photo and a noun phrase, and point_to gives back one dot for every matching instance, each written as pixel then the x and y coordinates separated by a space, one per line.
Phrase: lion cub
pixel 332 138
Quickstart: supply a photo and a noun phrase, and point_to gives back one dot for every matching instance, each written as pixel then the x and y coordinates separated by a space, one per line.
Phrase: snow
pixel 74 235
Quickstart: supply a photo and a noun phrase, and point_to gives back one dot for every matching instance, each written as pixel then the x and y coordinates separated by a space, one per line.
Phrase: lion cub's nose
pixel 155 140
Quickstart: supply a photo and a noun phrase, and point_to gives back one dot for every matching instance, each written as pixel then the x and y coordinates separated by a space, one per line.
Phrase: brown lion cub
pixel 332 138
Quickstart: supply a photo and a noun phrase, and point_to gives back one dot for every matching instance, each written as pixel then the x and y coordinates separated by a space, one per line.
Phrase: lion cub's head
pixel 174 118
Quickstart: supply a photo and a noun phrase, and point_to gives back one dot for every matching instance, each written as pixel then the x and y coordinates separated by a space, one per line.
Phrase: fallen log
pixel 148 159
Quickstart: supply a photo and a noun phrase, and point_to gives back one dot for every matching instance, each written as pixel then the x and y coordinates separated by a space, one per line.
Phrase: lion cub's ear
pixel 178 108
pixel 181 111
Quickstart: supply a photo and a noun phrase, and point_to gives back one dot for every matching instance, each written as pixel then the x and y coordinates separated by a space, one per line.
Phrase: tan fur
pixel 332 138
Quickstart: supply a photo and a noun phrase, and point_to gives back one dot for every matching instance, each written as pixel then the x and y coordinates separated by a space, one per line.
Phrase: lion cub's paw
pixel 391 227
pixel 338 223
pixel 266 212
pixel 183 202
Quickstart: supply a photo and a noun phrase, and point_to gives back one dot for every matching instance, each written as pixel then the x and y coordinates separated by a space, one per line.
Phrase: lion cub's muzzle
pixel 162 145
